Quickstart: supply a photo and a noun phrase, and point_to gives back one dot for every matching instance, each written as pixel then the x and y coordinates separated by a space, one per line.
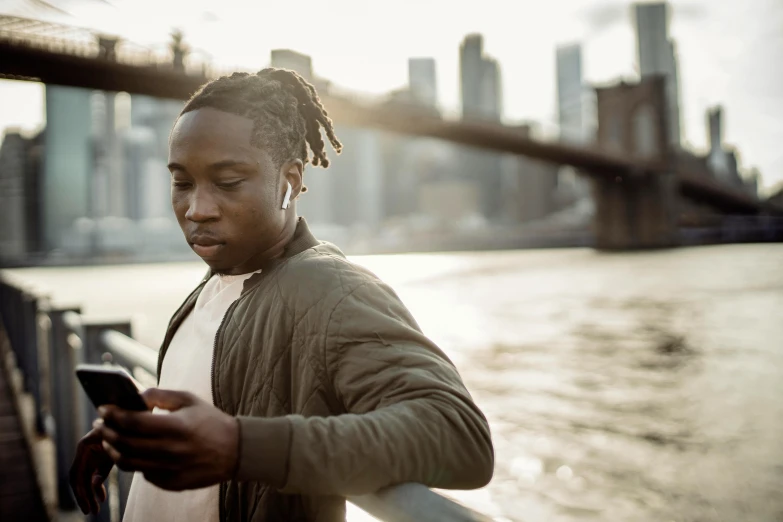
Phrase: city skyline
pixel 714 64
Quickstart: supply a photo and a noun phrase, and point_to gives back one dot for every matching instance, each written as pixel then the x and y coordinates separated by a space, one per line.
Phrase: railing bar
pixel 414 503
pixel 402 503
pixel 130 350
pixel 73 322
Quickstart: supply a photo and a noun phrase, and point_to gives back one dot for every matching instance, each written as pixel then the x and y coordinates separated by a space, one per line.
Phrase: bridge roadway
pixel 30 56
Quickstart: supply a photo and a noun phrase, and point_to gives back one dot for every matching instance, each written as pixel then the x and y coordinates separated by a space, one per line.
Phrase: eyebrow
pixel 219 165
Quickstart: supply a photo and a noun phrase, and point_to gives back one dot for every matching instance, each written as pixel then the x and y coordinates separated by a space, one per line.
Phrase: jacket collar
pixel 303 239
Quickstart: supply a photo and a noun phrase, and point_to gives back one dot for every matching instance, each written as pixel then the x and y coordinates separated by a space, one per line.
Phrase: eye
pixel 230 184
pixel 180 184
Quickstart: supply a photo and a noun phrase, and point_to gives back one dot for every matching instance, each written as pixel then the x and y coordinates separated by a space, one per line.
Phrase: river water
pixel 619 387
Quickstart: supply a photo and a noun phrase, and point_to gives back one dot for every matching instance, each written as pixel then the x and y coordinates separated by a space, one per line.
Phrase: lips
pixel 205 246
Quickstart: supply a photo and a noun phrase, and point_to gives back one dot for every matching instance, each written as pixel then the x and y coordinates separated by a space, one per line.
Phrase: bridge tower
pixel 635 210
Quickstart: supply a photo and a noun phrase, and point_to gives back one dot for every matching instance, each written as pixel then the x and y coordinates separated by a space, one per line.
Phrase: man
pixel 293 378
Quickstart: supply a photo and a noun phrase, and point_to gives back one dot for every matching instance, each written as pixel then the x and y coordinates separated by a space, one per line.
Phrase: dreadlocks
pixel 285 109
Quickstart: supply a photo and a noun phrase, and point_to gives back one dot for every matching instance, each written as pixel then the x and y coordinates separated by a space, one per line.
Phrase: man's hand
pixel 195 446
pixel 88 472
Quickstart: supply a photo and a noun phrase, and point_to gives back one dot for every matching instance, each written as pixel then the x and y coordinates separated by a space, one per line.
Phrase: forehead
pixel 209 132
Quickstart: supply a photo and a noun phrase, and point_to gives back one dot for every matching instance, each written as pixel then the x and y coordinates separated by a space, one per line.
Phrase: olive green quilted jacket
pixel 337 391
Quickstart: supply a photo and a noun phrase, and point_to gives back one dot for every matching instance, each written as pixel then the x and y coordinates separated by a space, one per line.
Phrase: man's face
pixel 226 193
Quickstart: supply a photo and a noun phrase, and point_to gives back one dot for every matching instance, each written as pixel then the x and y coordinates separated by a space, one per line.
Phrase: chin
pixel 217 266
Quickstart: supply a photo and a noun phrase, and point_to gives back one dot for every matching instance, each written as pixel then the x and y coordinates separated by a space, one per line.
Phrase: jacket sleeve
pixel 410 418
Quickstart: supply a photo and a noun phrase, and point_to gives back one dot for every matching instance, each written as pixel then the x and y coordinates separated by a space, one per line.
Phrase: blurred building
pixel 776 194
pixel 13 152
pixel 348 194
pixel 571 187
pixel 298 62
pixel 570 111
pixel 146 151
pixel 355 179
pixel 422 81
pixel 479 81
pixel 20 169
pixel 753 181
pixel 158 115
pixel 657 56
pixel 531 195
pixel 317 204
pixel 66 184
pixel 721 160
pixel 481 93
pixel 147 178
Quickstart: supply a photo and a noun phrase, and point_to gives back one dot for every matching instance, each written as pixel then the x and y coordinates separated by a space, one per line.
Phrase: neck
pixel 274 251
pixel 286 236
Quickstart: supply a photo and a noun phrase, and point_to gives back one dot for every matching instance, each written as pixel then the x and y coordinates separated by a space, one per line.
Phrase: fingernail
pixel 102 411
pixel 105 445
pixel 97 423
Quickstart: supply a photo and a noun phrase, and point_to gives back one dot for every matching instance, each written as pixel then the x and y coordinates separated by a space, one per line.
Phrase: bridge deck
pixel 20 496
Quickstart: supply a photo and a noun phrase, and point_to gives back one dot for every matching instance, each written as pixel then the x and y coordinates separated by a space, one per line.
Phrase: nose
pixel 202 207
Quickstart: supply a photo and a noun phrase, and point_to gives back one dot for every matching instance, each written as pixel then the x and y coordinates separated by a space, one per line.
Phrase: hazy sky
pixel 730 51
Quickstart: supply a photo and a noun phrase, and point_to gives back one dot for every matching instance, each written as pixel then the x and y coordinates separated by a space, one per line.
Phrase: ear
pixel 292 171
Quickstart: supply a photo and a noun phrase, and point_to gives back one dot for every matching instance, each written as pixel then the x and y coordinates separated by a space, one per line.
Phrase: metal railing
pixel 49 342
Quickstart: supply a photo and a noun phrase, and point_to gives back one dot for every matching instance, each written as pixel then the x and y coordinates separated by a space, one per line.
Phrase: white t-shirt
pixel 188 367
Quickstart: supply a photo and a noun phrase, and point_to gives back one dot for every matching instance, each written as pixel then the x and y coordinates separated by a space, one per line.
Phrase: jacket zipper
pixel 222 488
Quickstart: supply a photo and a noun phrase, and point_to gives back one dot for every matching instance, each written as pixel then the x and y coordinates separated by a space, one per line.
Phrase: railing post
pixel 65 401
pixel 29 334
pixel 11 319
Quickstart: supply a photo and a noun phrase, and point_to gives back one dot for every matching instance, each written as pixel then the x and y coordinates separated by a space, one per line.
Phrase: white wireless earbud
pixel 287 197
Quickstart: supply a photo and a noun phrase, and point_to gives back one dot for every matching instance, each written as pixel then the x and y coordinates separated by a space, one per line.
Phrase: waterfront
pixel 638 386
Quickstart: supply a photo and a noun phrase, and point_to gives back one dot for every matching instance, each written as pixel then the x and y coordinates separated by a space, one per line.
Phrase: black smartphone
pixel 110 385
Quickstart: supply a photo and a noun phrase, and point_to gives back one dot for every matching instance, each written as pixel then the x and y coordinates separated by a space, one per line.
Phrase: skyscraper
pixel 721 159
pixel 491 100
pixel 569 93
pixel 479 81
pixel 481 92
pixel 570 117
pixel 68 167
pixel 422 81
pixel 471 62
pixel 146 152
pixel 13 159
pixel 657 56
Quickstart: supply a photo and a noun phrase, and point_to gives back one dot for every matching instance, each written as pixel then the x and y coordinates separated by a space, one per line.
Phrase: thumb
pixel 170 400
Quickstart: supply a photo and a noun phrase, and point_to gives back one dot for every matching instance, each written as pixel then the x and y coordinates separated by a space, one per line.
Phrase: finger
pixel 76 487
pixel 88 452
pixel 139 463
pixel 80 481
pixel 97 492
pixel 95 506
pixel 159 448
pixel 168 399
pixel 140 423
pixel 82 500
pixel 98 489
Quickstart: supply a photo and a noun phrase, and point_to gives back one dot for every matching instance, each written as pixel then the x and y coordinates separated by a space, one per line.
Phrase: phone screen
pixel 106 385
